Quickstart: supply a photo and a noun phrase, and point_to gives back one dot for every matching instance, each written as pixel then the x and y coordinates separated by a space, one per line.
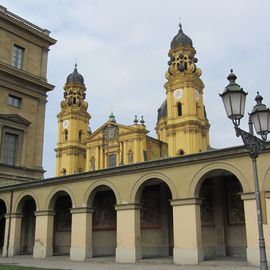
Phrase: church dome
pixel 181 39
pixel 75 77
pixel 162 111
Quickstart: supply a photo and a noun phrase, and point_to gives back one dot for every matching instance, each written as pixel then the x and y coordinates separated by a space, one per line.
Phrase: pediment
pixel 14 118
pixel 109 130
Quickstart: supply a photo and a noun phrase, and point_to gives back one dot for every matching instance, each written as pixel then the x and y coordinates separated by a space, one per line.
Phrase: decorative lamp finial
pixel 136 120
pixel 258 98
pixel 232 77
pixel 142 121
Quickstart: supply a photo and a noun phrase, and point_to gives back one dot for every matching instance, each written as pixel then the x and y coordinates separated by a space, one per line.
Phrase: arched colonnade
pixel 150 218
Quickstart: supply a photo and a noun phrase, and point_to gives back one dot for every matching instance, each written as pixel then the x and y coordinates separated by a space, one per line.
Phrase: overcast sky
pixel 121 48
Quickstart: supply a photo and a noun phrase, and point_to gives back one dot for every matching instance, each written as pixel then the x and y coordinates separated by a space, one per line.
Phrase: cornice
pixel 25 28
pixel 212 155
pixel 8 70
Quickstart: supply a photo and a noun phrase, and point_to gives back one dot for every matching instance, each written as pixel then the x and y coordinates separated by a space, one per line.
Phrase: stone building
pixel 23 85
pixel 121 193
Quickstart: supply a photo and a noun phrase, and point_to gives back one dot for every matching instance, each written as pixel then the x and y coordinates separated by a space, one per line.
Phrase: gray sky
pixel 121 49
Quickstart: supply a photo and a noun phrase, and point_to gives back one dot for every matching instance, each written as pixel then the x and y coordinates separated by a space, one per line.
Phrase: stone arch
pixel 138 187
pixel 198 177
pixel 20 200
pixel 5 200
pixel 102 196
pixel 61 201
pixel 26 204
pixel 266 182
pixel 51 197
pixel 221 212
pixel 90 193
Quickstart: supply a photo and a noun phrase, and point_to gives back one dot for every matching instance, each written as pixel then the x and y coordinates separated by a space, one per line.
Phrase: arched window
pixel 80 135
pixel 179 109
pixel 74 100
pixel 130 156
pixel 111 160
pixel 92 164
pixel 64 171
pixel 66 134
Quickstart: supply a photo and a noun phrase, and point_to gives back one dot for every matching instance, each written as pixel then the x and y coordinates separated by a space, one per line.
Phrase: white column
pixel 266 226
pixel 15 234
pixel 7 225
pixel 81 234
pixel 128 248
pixel 44 234
pixel 187 231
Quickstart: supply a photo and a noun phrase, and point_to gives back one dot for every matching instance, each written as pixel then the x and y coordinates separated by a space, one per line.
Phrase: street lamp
pixel 234 98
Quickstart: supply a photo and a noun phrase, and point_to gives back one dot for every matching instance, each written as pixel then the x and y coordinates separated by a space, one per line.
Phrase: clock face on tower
pixel 65 124
pixel 178 93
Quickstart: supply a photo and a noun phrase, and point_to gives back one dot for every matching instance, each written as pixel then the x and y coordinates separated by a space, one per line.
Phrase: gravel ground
pixel 109 264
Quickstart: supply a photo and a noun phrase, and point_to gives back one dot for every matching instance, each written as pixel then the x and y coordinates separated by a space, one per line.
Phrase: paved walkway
pixel 107 263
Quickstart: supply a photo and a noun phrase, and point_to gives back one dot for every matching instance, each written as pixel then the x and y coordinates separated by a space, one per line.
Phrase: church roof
pixel 181 39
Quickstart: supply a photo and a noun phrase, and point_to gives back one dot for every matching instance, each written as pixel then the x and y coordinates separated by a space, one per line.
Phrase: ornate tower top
pixel 74 94
pixel 182 56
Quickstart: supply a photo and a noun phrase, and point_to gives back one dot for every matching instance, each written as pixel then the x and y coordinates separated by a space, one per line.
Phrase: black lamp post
pixel 234 98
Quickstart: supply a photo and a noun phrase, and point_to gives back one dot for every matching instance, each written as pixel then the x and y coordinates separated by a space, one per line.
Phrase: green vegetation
pixel 15 267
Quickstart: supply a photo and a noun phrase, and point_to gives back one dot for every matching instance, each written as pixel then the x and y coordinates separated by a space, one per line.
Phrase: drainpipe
pixel 9 224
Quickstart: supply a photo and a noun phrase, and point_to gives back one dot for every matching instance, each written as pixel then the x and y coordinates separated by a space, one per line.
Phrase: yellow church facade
pixel 182 126
pixel 121 193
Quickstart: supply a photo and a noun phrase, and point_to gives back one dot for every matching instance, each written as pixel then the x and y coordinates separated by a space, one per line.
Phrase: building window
pixel 181 152
pixel 92 164
pixel 179 109
pixel 66 135
pixel 17 56
pixel 14 101
pixel 80 135
pixel 9 150
pixel 130 157
pixel 64 171
pixel 112 160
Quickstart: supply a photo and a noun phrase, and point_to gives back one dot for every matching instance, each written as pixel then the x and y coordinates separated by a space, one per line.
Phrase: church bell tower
pixel 73 122
pixel 182 121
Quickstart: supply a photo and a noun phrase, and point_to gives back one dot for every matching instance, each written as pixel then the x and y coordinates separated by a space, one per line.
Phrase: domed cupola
pixel 74 90
pixel 162 111
pixel 181 39
pixel 75 77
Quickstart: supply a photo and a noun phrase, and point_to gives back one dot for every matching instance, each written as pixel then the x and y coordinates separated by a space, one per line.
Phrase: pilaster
pixel 128 248
pixel 7 225
pixel 187 231
pixel 251 228
pixel 44 234
pixel 267 226
pixel 81 234
pixel 15 234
